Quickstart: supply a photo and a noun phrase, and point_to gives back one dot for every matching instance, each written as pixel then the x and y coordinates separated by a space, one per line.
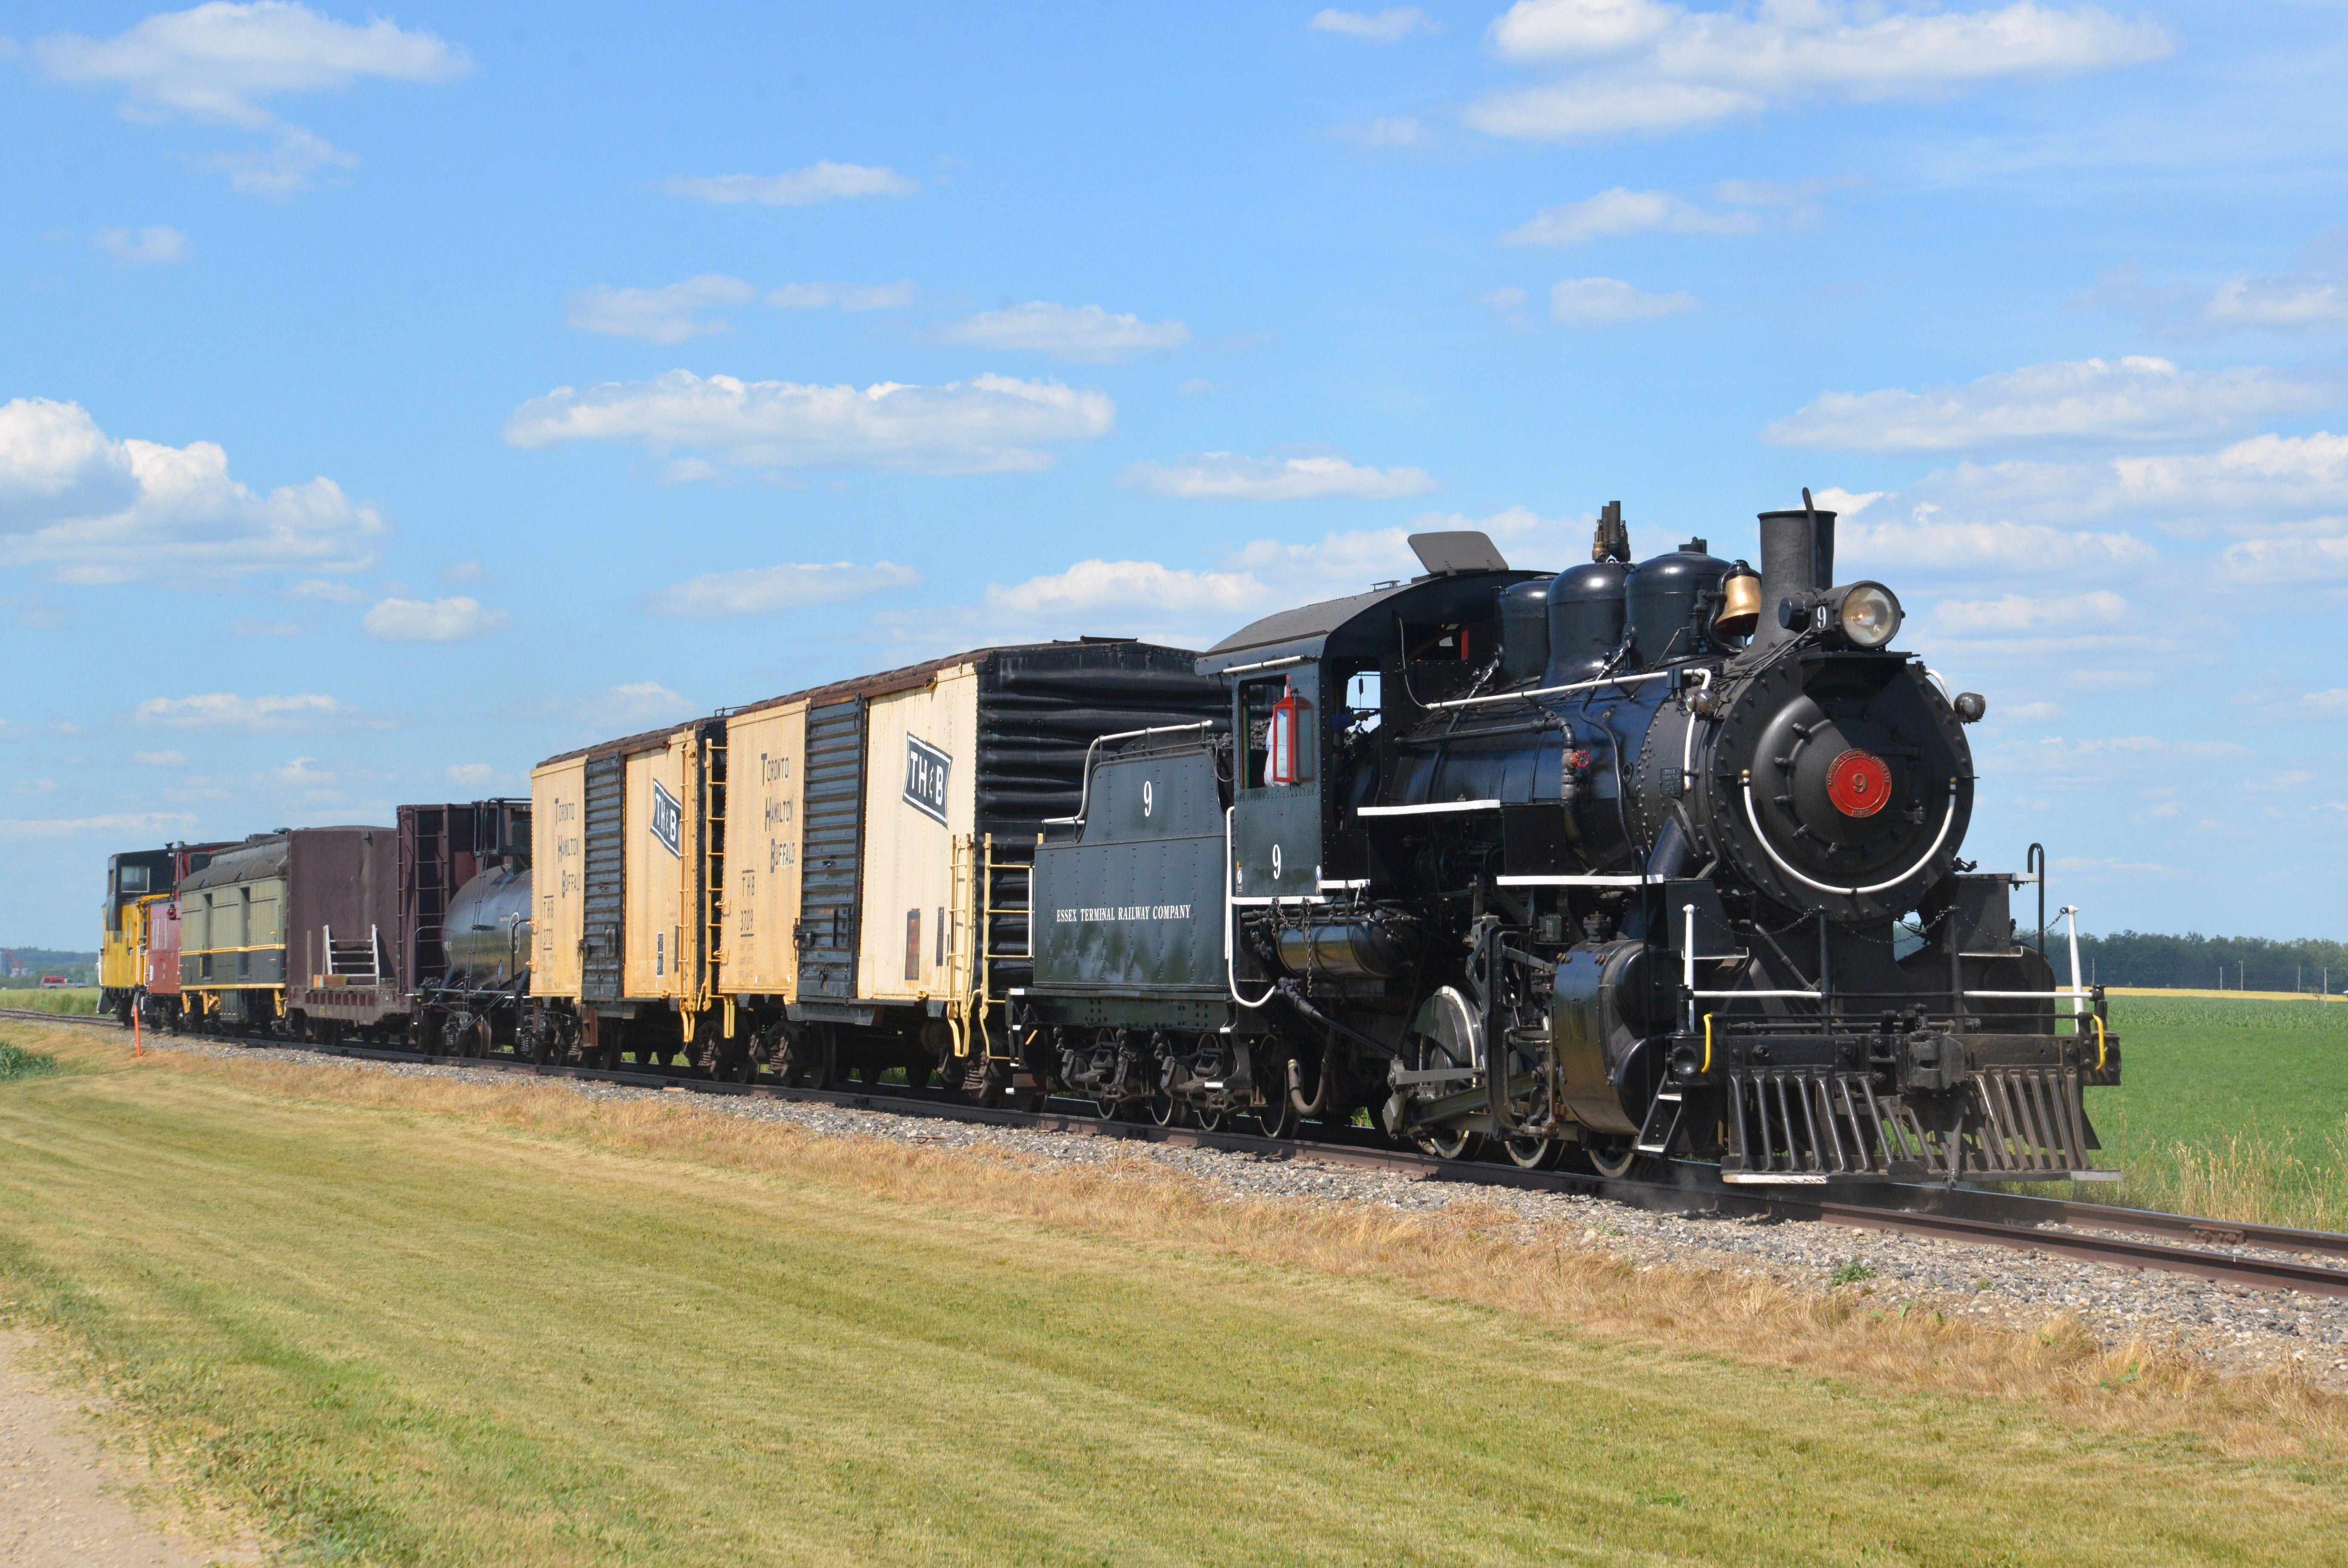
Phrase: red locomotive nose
pixel 1859 783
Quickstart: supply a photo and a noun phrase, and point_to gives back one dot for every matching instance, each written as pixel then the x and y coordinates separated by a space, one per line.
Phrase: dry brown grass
pixel 1473 1252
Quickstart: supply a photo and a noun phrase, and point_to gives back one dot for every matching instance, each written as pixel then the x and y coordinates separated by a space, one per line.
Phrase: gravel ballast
pixel 2230 1328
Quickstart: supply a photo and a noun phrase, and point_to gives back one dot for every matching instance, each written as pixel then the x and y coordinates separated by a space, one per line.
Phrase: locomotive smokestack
pixel 1796 557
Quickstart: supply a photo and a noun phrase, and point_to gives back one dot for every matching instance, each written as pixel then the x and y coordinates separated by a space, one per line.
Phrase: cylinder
pixel 1797 558
pixel 1585 620
pixel 1369 949
pixel 1524 631
pixel 1664 600
pixel 485 933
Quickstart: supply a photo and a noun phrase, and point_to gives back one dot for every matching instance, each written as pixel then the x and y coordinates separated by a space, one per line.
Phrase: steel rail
pixel 1694 1191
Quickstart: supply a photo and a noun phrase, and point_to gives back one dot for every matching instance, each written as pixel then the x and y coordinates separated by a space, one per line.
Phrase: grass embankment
pixel 410 1321
pixel 78 1000
pixel 2235 1107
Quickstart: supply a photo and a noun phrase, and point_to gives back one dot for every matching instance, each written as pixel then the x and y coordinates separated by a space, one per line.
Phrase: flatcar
pixel 1622 863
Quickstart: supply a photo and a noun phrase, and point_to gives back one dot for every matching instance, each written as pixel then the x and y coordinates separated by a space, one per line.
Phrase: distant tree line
pixel 2195 962
pixel 81 968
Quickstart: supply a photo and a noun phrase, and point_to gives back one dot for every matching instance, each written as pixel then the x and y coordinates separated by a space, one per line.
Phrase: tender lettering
pixel 1119 914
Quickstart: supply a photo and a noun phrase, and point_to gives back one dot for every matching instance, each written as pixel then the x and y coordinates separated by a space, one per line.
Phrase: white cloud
pixel 320 592
pixel 2285 303
pixel 669 315
pixel 2288 560
pixel 1586 109
pixel 1619 212
pixel 470 773
pixel 2312 299
pixel 2019 614
pixel 1930 540
pixel 1655 67
pixel 817 182
pixel 463 572
pixel 306 714
pixel 1084 333
pixel 2332 704
pixel 2032 712
pixel 217 62
pixel 159 758
pixel 762 590
pixel 95 509
pixel 1846 504
pixel 1092 588
pixel 2263 474
pixel 132 825
pixel 1386 27
pixel 1196 607
pixel 1229 476
pixel 843 296
pixel 1609 302
pixel 291 163
pixel 617 710
pixel 155 244
pixel 992 424
pixel 2131 398
pixel 457 620
pixel 1745 206
pixel 1386 130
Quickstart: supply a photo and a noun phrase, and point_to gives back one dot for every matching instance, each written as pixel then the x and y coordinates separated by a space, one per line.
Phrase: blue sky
pixel 395 399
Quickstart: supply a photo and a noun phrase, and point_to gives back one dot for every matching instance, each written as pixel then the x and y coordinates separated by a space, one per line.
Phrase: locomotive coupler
pixel 1932 1063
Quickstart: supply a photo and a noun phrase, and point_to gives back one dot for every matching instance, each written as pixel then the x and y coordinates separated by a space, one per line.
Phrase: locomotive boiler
pixel 1627 862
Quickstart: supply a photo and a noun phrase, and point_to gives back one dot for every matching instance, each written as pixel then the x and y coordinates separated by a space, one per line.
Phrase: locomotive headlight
pixel 1868 615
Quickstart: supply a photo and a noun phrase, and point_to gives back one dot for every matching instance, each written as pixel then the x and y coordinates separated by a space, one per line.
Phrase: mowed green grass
pixel 2242 1104
pixel 408 1338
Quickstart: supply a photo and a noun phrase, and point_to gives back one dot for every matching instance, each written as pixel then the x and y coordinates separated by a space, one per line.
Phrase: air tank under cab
pixel 1608 861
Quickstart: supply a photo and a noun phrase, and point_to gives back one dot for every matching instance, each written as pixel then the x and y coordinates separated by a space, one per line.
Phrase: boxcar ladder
pixel 713 875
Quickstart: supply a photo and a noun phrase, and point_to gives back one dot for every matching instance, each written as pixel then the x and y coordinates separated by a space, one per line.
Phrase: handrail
pixel 1085 795
pixel 1947 819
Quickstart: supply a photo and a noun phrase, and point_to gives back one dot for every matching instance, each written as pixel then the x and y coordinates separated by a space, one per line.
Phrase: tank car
pixel 1629 861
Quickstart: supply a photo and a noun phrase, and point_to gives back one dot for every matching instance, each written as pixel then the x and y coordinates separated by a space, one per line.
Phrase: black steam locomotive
pixel 1622 863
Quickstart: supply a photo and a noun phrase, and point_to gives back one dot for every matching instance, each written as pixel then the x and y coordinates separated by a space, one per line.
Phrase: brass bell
pixel 1740 602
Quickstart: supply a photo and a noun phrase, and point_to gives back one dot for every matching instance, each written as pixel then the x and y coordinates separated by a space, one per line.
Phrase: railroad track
pixel 2226 1252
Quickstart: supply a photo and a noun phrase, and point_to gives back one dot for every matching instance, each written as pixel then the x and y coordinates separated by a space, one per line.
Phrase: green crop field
pixel 398 1321
pixel 71 999
pixel 2231 1106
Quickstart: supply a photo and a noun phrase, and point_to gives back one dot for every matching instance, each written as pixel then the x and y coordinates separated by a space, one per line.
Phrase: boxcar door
pixel 606 889
pixel 832 849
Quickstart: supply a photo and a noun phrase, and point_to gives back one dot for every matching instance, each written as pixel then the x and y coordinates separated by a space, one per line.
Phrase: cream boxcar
pixel 829 882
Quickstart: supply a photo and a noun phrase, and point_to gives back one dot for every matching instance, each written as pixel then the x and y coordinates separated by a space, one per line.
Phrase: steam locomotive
pixel 1622 863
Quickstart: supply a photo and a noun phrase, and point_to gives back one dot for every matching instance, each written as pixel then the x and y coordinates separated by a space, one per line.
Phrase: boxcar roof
pixel 905 678
pixel 261 858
